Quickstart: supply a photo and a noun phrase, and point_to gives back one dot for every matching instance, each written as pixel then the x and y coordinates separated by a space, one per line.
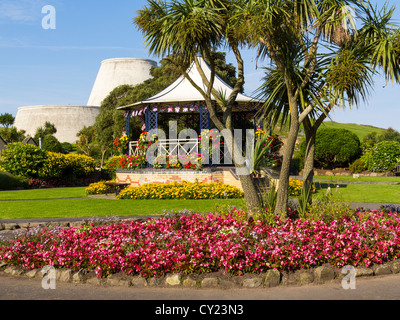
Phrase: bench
pixel 118 186
pixel 397 170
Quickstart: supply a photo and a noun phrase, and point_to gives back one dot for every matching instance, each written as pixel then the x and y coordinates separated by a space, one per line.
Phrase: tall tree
pixel 86 137
pixel 12 135
pixel 319 60
pixel 187 29
pixel 6 120
pixel 47 129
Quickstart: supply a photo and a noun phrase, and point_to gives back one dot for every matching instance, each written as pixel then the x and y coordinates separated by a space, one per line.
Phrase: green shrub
pixel 54 166
pixel 358 166
pixel 334 148
pixel 51 143
pixel 10 182
pixel 31 162
pixel 80 166
pixel 327 208
pixel 68 147
pixel 384 156
pixel 22 160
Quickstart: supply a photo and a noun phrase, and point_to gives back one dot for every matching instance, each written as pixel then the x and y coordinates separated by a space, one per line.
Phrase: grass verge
pixel 104 207
pixel 365 193
pixel 41 194
pixel 360 179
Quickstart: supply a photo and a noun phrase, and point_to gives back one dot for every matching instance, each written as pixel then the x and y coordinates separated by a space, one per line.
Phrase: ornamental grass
pixel 181 190
pixel 194 243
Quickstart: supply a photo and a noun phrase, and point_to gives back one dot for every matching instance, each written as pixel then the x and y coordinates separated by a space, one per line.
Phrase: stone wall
pixel 218 280
pixel 143 176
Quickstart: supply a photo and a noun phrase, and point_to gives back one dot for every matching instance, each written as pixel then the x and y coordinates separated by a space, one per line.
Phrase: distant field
pixel 360 130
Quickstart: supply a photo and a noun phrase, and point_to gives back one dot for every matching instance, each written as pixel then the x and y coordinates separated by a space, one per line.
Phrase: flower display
pixel 121 144
pixel 195 243
pixel 192 161
pixel 99 188
pixel 296 186
pixel 267 149
pixel 126 162
pixel 182 190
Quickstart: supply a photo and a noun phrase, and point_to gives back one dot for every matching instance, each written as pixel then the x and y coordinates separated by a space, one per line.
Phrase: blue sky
pixel 39 66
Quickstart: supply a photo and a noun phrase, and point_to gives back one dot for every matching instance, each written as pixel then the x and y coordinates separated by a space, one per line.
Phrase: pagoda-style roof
pixel 182 95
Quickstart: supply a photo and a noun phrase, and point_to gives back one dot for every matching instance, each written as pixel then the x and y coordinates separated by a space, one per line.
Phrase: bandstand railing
pixel 183 147
pixel 134 149
pixel 170 147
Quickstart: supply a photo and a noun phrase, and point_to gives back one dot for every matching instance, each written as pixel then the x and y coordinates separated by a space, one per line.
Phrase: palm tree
pixel 183 30
pixel 319 60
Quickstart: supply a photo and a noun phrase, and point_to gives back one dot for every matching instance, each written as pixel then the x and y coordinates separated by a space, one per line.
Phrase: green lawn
pixel 366 193
pixel 27 205
pixel 45 203
pixel 360 179
pixel 36 194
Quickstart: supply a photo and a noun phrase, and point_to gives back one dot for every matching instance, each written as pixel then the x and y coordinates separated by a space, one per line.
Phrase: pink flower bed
pixel 198 243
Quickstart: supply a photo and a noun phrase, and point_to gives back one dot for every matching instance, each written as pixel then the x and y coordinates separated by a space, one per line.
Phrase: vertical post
pixel 151 120
pixel 128 124
pixel 204 121
pixel 128 130
pixel 204 118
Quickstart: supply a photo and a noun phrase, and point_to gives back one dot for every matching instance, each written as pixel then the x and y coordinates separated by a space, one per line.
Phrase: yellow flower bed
pixel 184 190
pixel 54 166
pixel 81 165
pixel 295 187
pixel 99 188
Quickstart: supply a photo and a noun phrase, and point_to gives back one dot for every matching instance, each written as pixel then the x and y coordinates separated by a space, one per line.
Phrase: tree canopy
pixel 6 120
pixel 323 54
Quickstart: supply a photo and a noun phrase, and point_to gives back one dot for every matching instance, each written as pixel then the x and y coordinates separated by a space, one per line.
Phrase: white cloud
pixel 21 11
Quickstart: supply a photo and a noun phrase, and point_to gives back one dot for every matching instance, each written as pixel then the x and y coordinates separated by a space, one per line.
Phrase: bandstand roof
pixel 183 93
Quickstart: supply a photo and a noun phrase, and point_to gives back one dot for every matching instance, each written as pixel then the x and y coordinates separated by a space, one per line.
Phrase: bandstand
pixel 182 98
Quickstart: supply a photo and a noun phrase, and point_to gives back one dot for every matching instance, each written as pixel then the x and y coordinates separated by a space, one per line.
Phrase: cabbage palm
pixel 185 29
pixel 319 60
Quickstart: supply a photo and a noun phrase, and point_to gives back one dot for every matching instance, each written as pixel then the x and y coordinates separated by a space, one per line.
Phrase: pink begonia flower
pixel 205 243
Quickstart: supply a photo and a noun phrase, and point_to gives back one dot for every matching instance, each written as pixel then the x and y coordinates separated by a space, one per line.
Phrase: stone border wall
pixel 217 280
pixel 143 176
pixel 347 173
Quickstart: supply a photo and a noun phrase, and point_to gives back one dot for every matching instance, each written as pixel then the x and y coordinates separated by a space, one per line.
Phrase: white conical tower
pixel 117 72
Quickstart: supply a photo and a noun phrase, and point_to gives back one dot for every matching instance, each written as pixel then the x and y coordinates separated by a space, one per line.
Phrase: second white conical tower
pixel 116 72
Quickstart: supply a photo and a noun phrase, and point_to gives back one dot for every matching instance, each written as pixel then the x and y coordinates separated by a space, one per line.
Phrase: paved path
pixel 368 288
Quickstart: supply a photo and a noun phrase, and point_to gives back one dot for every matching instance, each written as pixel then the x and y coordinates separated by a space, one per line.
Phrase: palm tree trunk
pixel 308 171
pixel 311 133
pixel 250 194
pixel 282 196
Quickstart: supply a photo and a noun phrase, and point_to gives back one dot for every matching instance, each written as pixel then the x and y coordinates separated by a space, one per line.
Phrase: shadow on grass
pixel 326 185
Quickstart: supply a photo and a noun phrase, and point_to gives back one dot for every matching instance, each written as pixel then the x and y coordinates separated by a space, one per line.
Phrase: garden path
pixel 367 288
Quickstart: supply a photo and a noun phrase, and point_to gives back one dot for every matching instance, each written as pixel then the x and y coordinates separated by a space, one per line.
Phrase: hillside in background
pixel 360 130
